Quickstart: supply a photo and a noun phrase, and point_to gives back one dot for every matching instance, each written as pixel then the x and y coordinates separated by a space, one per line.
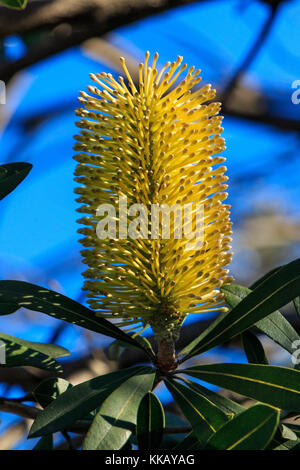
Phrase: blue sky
pixel 38 239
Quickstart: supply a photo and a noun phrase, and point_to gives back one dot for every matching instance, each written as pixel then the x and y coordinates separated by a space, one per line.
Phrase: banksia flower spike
pixel 152 144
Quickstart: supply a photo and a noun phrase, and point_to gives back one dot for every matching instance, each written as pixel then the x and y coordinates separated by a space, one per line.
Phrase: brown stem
pixel 91 18
pixel 165 359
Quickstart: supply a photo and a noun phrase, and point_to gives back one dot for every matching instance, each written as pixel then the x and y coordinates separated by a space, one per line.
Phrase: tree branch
pixel 80 427
pixel 42 15
pixel 31 412
pixel 92 18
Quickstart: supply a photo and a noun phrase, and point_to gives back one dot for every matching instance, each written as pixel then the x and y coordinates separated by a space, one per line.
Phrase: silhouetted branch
pixel 92 18
pixel 250 56
pixel 42 15
pixel 24 411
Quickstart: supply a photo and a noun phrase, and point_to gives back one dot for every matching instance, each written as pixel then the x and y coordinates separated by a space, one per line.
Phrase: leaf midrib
pixel 245 315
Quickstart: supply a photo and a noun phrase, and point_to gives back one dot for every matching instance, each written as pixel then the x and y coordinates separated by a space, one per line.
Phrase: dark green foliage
pixel 150 422
pixel 119 410
pixel 27 353
pixel 252 429
pixel 59 306
pixel 11 174
pixel 116 418
pixel 253 348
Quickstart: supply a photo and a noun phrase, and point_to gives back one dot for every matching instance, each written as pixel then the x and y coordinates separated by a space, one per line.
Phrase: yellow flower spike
pixel 152 143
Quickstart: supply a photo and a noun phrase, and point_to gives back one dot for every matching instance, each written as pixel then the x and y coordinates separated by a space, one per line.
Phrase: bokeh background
pixel 249 51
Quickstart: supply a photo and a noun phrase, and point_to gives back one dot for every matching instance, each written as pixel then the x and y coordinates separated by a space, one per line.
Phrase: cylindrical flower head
pixel 152 144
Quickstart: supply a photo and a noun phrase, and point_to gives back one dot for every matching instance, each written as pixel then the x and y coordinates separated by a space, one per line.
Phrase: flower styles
pixel 154 143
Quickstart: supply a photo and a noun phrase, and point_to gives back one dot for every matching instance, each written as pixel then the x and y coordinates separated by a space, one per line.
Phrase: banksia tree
pixel 153 143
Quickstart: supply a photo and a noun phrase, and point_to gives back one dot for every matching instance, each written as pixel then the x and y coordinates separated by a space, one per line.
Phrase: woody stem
pixel 165 359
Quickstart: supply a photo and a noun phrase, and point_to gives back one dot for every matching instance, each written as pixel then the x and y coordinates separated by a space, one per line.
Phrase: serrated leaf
pixel 49 389
pixel 277 290
pixel 11 175
pixel 19 352
pixel 253 348
pixel 252 429
pixel 76 402
pixel 274 385
pixel 117 416
pixel 203 415
pixel 150 423
pixel 59 306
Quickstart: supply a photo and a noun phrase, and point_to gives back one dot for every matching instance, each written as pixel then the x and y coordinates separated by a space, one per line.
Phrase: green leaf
pixel 265 277
pixel 14 4
pixel 190 442
pixel 253 348
pixel 6 308
pixel 294 427
pixel 59 306
pixel 287 433
pixel 275 326
pixel 45 443
pixel 19 352
pixel 52 350
pixel 282 436
pixel 150 423
pixel 252 429
pixel 204 416
pixel 144 343
pixel 274 385
pixel 173 421
pixel 116 348
pixel 76 402
pixel 117 416
pixel 11 175
pixel 189 349
pixel 49 389
pixel 289 445
pixel 276 291
pixel 297 305
pixel 224 403
pixel 127 446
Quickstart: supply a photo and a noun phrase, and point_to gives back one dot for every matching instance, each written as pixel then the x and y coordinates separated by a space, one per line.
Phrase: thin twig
pixel 250 56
